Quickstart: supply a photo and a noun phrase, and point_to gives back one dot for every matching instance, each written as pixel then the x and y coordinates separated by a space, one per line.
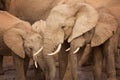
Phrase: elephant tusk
pixel 76 50
pixel 36 64
pixel 57 50
pixel 38 51
pixel 67 49
pixel 35 56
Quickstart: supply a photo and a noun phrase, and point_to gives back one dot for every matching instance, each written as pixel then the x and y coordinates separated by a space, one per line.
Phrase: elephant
pixel 17 38
pixel 106 29
pixel 64 14
pixel 60 29
pixel 23 9
pixel 31 10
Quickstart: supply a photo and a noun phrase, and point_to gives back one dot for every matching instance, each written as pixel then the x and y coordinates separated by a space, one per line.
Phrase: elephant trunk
pixel 87 50
pixel 86 54
pixel 72 65
pixel 49 60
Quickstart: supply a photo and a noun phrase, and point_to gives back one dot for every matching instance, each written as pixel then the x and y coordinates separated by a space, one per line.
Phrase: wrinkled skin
pixel 112 5
pixel 55 35
pixel 18 39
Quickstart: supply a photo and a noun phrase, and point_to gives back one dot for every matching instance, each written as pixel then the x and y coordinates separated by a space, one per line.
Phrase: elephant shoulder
pixel 8 21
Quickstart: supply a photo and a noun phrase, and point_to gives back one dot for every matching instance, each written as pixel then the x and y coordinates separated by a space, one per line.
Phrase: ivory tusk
pixel 38 51
pixel 67 49
pixel 57 50
pixel 76 50
pixel 36 64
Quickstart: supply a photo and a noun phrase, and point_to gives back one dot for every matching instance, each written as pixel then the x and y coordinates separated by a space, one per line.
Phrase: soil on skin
pixel 10 73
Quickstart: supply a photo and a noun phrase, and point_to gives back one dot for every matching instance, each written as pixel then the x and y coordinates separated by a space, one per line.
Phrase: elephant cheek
pixel 67 33
pixel 61 38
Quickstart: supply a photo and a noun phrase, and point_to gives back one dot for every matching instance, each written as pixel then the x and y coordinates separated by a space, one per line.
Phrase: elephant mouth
pixel 57 50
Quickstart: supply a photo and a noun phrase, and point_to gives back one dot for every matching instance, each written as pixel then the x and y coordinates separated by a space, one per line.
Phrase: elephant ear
pixel 86 19
pixel 104 29
pixel 14 41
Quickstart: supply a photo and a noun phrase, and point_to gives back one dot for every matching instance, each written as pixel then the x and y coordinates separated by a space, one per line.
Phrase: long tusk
pixel 58 49
pixel 76 50
pixel 67 49
pixel 38 51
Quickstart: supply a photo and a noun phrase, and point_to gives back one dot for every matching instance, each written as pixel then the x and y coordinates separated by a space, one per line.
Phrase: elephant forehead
pixel 39 26
pixel 62 9
pixel 55 20
pixel 58 15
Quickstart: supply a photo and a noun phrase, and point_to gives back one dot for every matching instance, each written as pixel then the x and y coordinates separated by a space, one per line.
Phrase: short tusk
pixel 36 64
pixel 58 49
pixel 67 49
pixel 38 51
pixel 76 50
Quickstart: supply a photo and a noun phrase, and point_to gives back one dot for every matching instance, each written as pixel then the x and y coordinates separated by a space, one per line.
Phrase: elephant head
pixel 22 39
pixel 105 28
pixel 69 23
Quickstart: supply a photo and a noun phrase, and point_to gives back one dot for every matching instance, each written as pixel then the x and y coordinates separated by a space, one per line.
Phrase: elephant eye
pixel 63 27
pixel 30 48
